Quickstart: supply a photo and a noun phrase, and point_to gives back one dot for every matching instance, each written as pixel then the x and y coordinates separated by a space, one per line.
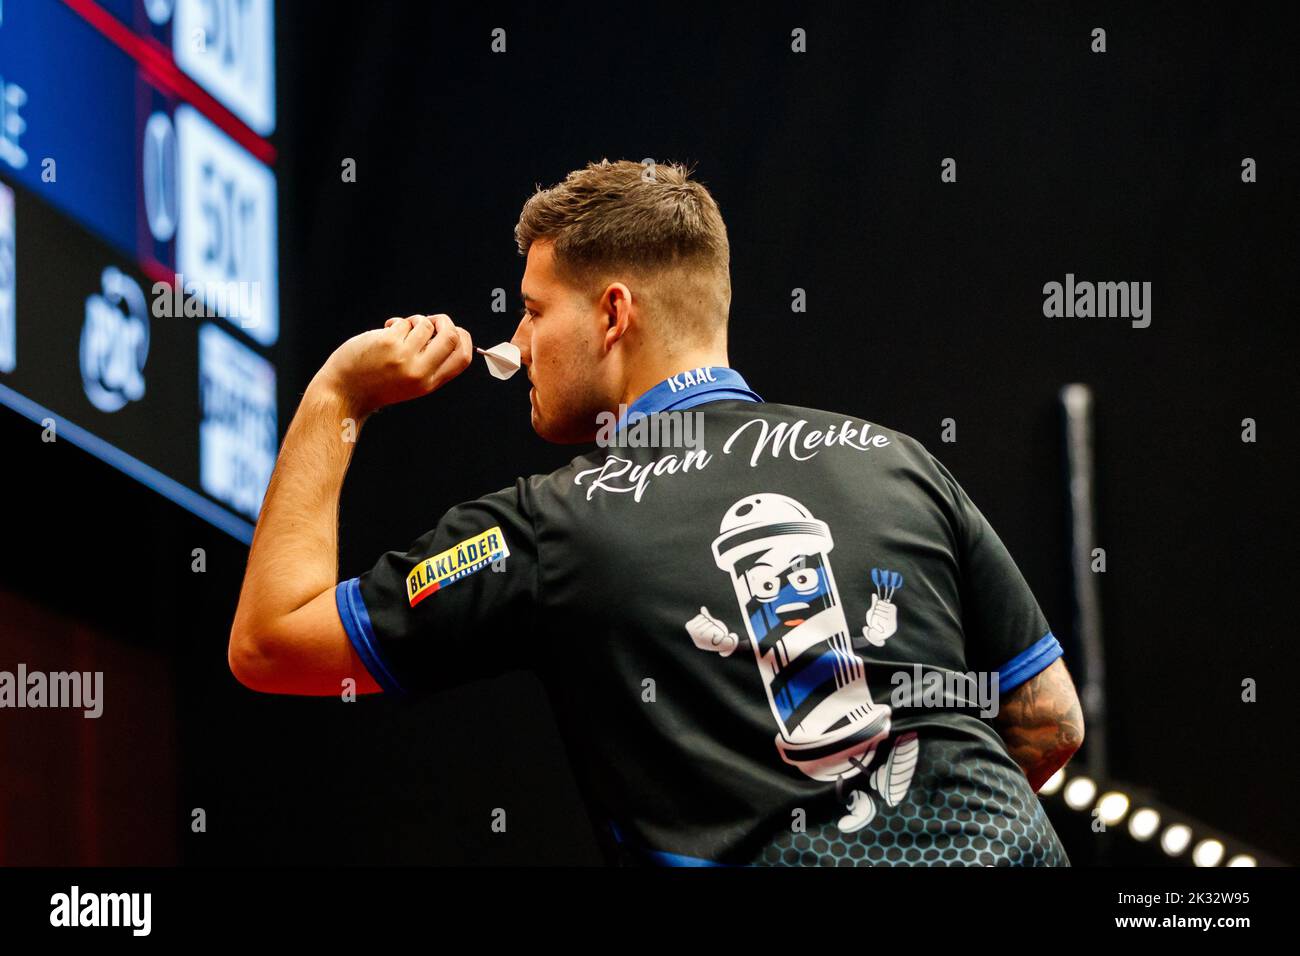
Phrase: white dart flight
pixel 502 360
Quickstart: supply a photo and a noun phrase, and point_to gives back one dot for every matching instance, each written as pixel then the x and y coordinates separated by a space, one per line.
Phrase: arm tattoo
pixel 1042 723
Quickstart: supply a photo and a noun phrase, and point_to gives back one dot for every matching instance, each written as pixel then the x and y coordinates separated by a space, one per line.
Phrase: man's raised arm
pixel 286 636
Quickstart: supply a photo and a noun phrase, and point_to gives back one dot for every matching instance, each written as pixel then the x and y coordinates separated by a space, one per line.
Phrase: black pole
pixel 1076 405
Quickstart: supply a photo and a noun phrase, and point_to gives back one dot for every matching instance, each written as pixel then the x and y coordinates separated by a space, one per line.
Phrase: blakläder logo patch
pixel 472 554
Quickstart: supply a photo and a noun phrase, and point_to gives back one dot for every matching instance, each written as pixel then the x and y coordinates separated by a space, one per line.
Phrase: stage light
pixel 1243 859
pixel 1143 824
pixel 1175 839
pixel 1079 793
pixel 1053 783
pixel 1208 853
pixel 1113 806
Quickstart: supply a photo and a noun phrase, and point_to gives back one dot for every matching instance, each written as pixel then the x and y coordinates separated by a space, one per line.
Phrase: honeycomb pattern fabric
pixel 962 809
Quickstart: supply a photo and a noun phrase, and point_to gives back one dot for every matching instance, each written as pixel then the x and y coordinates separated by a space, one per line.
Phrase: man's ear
pixel 611 304
pixel 616 303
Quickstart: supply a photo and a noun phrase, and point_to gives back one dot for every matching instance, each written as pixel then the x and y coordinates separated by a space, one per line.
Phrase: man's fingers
pixel 445 341
pixel 456 360
pixel 442 323
pixel 464 348
pixel 401 326
pixel 446 337
pixel 429 349
pixel 421 331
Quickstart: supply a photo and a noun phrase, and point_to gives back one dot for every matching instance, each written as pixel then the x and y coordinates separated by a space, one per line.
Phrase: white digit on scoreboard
pixel 226 235
pixel 229 47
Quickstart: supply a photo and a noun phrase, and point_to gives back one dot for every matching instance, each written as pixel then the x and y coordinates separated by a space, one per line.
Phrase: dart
pixel 502 360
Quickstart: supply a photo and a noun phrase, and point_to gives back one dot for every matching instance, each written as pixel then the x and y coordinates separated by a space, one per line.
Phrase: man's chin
pixel 562 432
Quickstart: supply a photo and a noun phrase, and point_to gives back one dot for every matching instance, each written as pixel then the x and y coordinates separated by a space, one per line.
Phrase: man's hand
pixel 408 358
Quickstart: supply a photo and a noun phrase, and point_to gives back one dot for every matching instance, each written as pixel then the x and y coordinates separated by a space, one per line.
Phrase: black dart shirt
pixel 769 635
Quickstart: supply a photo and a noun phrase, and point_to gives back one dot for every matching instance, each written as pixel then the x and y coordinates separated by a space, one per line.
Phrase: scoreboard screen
pixel 139 302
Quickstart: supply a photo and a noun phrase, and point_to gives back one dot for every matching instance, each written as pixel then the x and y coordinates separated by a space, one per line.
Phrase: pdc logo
pixel 114 342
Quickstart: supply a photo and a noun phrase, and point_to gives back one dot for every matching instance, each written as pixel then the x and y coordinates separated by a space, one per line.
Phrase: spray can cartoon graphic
pixel 777 556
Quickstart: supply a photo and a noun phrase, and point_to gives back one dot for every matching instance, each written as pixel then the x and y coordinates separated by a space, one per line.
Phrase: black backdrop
pixel 924 302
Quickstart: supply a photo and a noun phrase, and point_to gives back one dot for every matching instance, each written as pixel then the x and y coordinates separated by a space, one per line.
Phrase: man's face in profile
pixel 560 343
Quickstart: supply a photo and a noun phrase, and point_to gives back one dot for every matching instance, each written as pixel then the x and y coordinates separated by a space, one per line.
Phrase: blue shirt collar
pixel 691 387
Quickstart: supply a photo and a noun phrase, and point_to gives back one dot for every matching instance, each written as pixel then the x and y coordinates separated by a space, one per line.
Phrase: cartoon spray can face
pixel 777 554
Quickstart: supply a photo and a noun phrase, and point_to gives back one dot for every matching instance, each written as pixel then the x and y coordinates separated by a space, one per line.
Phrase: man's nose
pixel 522 340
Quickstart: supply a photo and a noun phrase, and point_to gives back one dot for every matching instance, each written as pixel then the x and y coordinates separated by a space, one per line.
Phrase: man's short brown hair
pixel 649 220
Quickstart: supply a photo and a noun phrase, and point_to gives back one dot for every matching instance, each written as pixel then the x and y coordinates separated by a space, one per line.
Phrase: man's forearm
pixel 1037 762
pixel 1041 723
pixel 294 555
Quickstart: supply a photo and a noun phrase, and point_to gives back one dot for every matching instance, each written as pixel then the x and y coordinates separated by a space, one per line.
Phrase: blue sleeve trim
pixel 356 621
pixel 665 858
pixel 1029 662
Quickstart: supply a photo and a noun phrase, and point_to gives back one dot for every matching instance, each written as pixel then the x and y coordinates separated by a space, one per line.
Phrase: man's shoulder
pixel 539 485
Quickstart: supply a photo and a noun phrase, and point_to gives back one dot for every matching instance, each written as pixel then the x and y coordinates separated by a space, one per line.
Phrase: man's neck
pixel 642 380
